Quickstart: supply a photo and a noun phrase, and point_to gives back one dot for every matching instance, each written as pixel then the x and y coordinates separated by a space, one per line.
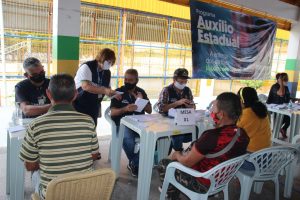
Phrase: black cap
pixel 181 73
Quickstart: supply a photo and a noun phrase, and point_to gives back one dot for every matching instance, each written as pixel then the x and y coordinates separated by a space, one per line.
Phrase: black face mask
pixel 38 78
pixel 129 86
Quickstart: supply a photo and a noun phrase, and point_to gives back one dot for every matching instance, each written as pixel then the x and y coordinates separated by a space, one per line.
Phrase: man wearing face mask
pixel 280 94
pixel 177 95
pixel 30 94
pixel 126 106
pixel 93 82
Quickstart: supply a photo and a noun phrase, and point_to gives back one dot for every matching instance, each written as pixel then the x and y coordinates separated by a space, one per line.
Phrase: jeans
pixel 128 146
pixel 248 166
pixel 286 122
pixel 178 140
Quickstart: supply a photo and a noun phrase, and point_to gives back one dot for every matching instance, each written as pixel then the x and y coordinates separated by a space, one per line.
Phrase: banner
pixel 230 45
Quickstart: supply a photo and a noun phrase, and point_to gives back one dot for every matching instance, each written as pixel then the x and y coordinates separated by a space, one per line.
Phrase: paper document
pixel 172 112
pixel 141 104
pixel 16 128
pixel 117 92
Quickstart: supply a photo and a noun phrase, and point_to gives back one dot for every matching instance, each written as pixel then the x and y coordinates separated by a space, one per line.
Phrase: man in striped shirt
pixel 61 141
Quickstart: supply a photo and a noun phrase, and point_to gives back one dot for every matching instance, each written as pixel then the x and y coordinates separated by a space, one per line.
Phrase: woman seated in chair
pixel 227 108
pixel 255 121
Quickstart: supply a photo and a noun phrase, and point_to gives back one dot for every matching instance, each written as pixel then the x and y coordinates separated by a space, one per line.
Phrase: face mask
pixel 38 78
pixel 179 86
pixel 129 86
pixel 215 117
pixel 106 65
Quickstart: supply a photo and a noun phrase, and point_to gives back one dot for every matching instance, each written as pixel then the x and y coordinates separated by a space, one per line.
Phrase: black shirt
pixel 25 91
pixel 275 98
pixel 126 99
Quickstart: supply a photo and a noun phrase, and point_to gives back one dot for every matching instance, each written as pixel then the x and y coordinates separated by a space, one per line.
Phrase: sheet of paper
pixel 172 112
pixel 117 92
pixel 141 104
pixel 16 128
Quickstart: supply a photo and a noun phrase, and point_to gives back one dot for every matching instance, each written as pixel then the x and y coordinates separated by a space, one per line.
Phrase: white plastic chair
pixel 263 98
pixel 219 177
pixel 155 107
pixel 113 130
pixel 268 163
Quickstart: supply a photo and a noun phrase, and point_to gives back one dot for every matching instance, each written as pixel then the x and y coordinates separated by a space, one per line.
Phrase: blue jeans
pixel 128 146
pixel 178 140
pixel 248 166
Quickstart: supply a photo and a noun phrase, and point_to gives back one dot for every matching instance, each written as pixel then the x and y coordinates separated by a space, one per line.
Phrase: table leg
pixel 19 173
pixel 117 142
pixel 13 167
pixel 8 164
pixel 147 147
pixel 163 146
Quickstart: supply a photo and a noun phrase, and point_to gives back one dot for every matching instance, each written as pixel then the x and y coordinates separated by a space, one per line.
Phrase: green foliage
pixel 256 84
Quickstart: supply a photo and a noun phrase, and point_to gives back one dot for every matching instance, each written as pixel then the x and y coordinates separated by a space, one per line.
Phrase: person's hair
pixel 230 103
pixel 106 54
pixel 31 62
pixel 62 87
pixel 132 72
pixel 249 98
pixel 282 75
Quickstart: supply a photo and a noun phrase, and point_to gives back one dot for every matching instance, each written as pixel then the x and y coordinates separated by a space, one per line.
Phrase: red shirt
pixel 213 141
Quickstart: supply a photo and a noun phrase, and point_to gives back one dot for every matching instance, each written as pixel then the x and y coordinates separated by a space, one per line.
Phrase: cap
pixel 181 73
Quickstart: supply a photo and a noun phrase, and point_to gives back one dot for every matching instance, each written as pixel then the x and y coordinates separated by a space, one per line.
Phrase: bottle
pixel 290 105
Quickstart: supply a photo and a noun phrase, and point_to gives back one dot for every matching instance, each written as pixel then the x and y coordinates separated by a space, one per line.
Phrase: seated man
pixel 228 110
pixel 30 93
pixel 177 95
pixel 60 141
pixel 126 106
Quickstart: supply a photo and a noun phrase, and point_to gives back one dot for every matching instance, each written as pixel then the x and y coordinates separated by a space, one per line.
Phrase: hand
pixel 175 154
pixel 185 102
pixel 138 95
pixel 109 92
pixel 131 108
pixel 118 97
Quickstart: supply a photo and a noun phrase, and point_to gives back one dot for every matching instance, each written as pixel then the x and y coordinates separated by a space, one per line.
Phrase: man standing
pixel 61 141
pixel 126 106
pixel 177 95
pixel 30 93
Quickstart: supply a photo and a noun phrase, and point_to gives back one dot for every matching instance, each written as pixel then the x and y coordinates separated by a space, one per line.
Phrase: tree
pixel 256 84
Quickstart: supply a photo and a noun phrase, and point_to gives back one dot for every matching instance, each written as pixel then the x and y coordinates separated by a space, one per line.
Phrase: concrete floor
pixel 126 186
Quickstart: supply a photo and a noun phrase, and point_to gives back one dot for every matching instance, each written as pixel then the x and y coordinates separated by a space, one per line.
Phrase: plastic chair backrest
pixel 269 161
pixel 108 118
pixel 92 185
pixel 263 98
pixel 155 107
pixel 221 174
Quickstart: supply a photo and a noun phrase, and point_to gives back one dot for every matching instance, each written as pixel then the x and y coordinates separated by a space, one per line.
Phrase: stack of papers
pixel 141 104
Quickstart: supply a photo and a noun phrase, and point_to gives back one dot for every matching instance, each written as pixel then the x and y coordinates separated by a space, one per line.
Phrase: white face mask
pixel 179 86
pixel 106 65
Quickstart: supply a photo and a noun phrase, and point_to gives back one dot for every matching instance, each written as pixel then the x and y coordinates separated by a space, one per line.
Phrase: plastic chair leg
pixel 258 187
pixel 276 189
pixel 109 153
pixel 246 185
pixel 225 191
pixel 163 193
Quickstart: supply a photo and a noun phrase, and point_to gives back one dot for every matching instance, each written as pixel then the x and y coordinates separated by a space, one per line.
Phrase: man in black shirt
pixel 126 106
pixel 30 93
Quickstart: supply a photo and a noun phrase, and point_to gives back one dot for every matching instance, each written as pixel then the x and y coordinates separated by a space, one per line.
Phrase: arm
pixel 34 110
pixel 32 166
pixel 114 112
pixel 148 108
pixel 94 89
pixel 190 159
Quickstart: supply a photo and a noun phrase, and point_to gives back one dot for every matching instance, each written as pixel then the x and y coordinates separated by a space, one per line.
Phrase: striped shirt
pixel 61 141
